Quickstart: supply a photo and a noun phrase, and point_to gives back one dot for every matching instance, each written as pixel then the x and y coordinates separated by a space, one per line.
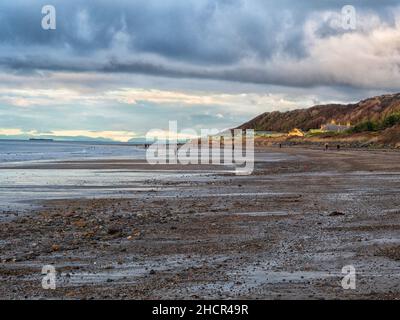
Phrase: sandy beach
pixel 201 232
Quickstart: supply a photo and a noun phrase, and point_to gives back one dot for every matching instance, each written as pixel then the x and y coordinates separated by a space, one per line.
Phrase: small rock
pixel 55 247
pixel 113 230
pixel 137 233
pixel 80 223
pixel 336 214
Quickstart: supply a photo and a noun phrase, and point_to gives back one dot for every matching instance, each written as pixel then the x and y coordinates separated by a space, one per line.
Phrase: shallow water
pixel 20 188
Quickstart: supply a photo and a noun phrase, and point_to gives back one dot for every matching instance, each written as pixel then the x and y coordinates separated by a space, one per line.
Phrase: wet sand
pixel 284 232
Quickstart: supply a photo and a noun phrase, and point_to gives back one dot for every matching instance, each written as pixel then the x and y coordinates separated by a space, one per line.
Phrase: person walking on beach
pixel 326 147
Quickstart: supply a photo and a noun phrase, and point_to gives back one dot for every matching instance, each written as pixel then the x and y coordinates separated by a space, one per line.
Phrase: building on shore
pixel 296 133
pixel 334 127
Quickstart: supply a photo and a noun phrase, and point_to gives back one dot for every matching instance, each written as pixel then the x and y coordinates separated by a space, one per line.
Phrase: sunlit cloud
pixel 159 134
pixel 240 102
pixel 120 136
pixel 11 132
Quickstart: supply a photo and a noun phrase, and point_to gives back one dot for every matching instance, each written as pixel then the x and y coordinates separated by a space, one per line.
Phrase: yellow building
pixel 296 133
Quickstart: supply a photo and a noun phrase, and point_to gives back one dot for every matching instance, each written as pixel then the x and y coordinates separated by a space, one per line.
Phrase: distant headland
pixel 41 139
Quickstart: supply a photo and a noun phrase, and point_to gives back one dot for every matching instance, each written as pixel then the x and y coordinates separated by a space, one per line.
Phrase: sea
pixel 42 150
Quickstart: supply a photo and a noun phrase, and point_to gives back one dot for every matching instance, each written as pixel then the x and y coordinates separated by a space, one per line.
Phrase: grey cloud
pixel 310 75
pixel 201 39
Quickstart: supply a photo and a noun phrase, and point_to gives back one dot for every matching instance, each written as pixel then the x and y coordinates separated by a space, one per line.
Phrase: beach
pixel 119 228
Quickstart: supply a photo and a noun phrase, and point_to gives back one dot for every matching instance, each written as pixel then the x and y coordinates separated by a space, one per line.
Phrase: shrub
pixel 365 126
pixel 391 120
pixel 369 125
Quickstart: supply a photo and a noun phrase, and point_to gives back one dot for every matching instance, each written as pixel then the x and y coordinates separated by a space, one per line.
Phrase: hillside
pixel 373 109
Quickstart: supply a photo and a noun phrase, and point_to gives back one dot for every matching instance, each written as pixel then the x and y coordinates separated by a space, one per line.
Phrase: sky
pixel 117 69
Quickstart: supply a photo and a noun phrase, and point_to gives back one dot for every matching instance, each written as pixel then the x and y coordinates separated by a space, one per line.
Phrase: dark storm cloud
pixel 201 31
pixel 205 39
